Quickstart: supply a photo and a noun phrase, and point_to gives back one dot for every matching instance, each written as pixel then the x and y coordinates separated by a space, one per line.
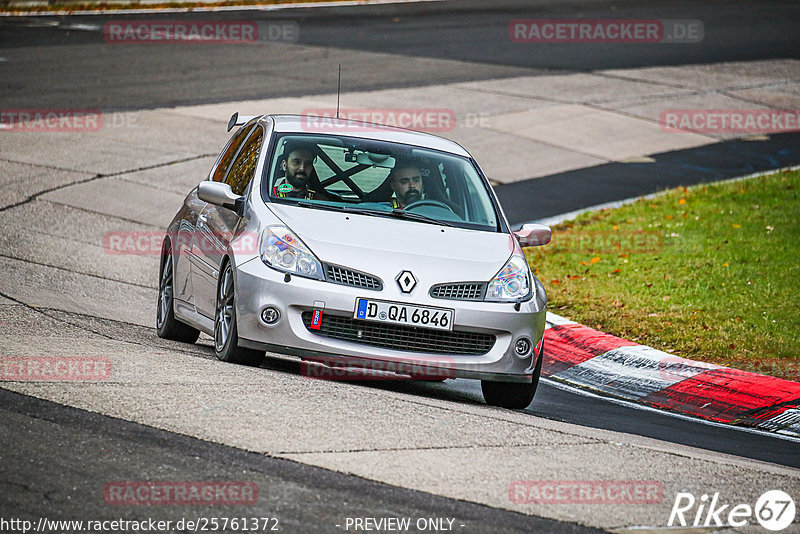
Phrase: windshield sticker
pixel 284 188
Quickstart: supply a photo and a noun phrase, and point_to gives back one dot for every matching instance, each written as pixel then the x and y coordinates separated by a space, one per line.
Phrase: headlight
pixel 513 282
pixel 282 250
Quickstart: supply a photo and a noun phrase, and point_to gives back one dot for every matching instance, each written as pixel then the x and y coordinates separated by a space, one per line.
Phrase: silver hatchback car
pixel 355 246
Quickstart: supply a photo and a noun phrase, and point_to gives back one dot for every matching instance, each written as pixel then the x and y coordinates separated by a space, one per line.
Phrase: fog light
pixel 270 315
pixel 522 347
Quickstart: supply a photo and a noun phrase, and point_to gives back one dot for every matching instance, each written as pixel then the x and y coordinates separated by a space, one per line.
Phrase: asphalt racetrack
pixel 321 452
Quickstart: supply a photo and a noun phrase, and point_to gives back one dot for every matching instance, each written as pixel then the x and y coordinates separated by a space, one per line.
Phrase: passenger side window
pixel 227 158
pixel 244 167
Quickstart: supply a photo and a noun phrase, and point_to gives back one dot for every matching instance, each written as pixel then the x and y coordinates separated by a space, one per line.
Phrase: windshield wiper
pixel 346 209
pixel 307 204
pixel 396 212
pixel 399 212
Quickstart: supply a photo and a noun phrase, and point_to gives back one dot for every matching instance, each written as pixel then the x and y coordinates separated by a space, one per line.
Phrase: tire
pixel 167 326
pixel 513 395
pixel 226 337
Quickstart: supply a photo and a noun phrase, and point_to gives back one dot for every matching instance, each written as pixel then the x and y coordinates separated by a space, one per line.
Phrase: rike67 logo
pixel 774 510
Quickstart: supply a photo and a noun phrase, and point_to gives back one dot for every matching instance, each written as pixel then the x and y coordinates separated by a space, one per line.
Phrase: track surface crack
pixel 97 176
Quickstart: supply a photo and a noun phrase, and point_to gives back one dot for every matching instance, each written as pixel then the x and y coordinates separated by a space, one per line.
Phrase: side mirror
pixel 532 235
pixel 219 194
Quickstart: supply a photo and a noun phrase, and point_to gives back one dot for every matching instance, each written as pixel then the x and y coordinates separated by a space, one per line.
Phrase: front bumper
pixel 259 286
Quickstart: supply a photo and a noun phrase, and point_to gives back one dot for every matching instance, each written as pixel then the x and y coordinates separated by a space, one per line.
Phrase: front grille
pixel 459 291
pixel 349 277
pixel 398 337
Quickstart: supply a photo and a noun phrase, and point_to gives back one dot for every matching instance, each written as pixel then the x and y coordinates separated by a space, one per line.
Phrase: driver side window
pixel 230 152
pixel 243 169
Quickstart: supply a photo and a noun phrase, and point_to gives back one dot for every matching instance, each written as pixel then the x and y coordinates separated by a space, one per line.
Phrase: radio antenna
pixel 338 90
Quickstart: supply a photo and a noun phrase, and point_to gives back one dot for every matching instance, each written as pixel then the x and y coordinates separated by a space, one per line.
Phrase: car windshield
pixel 378 178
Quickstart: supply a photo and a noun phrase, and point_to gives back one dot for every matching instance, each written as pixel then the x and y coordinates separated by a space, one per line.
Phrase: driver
pixel 406 182
pixel 298 168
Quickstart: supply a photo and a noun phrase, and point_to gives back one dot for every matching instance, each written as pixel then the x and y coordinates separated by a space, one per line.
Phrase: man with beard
pixel 299 175
pixel 406 183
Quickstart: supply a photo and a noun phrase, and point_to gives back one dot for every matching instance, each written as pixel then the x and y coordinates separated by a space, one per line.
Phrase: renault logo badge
pixel 406 281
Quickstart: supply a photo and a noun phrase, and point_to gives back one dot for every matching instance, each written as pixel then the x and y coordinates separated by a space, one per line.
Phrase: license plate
pixel 404 314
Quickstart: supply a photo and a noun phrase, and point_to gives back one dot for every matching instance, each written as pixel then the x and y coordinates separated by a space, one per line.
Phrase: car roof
pixel 363 130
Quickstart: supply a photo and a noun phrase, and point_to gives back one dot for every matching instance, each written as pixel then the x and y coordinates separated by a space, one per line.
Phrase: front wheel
pixel 226 337
pixel 514 395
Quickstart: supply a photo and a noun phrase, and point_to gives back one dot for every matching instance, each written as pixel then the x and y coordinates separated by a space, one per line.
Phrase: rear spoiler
pixel 236 120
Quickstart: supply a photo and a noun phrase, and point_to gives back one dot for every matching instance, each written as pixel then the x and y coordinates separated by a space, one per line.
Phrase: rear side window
pixel 230 152
pixel 244 167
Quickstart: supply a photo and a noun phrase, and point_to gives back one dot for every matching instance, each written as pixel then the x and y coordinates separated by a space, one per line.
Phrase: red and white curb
pixel 587 358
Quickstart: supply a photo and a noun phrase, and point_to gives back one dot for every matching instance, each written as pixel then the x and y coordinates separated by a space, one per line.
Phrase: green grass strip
pixel 707 272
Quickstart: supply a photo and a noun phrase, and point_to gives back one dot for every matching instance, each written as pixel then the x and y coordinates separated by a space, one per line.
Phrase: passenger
pixel 406 182
pixel 299 174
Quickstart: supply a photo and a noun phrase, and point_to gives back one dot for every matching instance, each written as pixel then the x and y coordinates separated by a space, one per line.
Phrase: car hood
pixel 385 246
